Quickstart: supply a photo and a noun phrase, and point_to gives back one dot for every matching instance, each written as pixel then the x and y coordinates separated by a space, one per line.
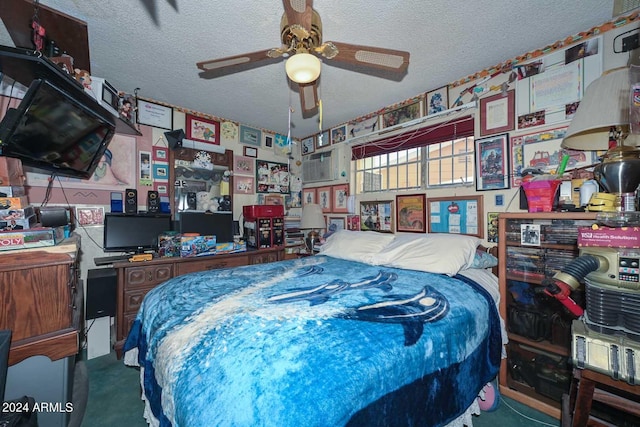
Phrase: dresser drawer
pixel 133 299
pixel 210 264
pixel 145 276
pixel 265 257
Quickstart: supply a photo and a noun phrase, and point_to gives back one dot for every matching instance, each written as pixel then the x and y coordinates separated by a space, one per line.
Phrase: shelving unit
pixel 532 247
pixel 294 236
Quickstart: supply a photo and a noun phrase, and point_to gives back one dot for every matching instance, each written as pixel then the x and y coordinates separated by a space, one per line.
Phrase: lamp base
pixel 311 240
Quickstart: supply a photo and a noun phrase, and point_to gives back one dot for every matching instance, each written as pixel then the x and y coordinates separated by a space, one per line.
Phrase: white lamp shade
pixel 303 67
pixel 605 104
pixel 312 217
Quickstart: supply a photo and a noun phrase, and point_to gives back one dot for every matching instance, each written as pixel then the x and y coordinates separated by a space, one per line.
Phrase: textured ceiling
pixel 154 45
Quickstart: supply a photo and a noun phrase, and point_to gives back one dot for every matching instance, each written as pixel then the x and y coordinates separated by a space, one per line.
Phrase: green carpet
pixel 114 400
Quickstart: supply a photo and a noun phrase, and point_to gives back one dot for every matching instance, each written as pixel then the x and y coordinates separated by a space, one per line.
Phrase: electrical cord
pixel 526 416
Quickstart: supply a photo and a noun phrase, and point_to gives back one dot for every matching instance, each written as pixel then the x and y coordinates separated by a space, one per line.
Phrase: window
pixel 397 170
pixel 440 156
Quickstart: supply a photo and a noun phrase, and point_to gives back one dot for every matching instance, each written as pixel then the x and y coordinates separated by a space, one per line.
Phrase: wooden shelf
pixel 509 387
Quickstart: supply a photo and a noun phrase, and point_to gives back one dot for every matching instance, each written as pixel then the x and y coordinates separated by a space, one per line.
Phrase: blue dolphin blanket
pixel 314 341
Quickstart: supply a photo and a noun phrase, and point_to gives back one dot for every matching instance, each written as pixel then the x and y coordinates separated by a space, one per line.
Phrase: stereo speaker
pixel 153 201
pixel 101 293
pixel 174 138
pixel 131 200
pixel 192 201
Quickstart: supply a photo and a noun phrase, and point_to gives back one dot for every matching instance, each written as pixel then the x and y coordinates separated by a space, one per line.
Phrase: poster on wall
pixel 542 151
pixel 272 177
pixel 115 171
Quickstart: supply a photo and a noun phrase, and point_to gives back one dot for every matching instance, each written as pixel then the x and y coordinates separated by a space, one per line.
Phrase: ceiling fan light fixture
pixel 303 67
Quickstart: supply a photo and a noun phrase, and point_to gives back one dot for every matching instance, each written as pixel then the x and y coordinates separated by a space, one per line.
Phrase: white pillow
pixel 435 253
pixel 355 245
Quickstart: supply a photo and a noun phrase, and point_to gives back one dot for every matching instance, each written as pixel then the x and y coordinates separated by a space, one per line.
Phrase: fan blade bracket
pixel 299 12
pixel 328 50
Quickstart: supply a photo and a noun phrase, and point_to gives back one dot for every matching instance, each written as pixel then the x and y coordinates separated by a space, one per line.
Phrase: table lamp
pixel 601 122
pixel 313 220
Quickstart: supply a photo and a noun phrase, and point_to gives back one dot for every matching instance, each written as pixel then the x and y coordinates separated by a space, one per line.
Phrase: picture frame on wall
pixel 243 184
pixel 338 134
pixel 308 145
pixel 272 177
pixel 497 113
pixel 323 140
pixel 160 154
pixel 162 187
pixel 492 163
pixel 268 140
pixel 437 100
pixel 411 213
pixel 338 221
pixel 90 216
pixel 250 152
pixel 324 198
pixel 339 198
pixel 251 136
pixel 203 130
pixel 243 165
pixel 153 114
pixel 376 216
pixel 308 196
pixel 407 112
pixel 456 215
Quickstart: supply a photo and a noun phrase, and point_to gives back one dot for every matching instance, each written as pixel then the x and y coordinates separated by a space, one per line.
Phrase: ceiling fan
pixel 301 34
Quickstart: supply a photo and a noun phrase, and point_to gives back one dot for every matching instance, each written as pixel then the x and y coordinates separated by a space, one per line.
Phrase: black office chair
pixel 5 344
pixel 8 418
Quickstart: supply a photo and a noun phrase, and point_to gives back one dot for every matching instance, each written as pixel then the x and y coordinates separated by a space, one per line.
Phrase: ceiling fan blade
pixel 232 61
pixel 376 57
pixel 299 12
pixel 308 96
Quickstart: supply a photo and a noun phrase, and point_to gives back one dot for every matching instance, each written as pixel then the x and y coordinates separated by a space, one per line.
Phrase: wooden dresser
pixel 41 301
pixel 135 279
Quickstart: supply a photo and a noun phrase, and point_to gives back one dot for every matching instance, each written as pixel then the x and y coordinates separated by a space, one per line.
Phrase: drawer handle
pixel 215 266
pixel 149 276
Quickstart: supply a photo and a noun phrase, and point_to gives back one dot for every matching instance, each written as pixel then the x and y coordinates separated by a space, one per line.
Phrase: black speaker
pixel 192 201
pixel 101 293
pixel 153 201
pixel 174 138
pixel 131 200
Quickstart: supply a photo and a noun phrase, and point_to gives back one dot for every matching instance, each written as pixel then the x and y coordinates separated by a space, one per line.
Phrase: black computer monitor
pixel 219 224
pixel 134 233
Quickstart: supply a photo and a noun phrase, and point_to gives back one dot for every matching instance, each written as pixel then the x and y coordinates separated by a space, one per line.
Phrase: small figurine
pixel 83 77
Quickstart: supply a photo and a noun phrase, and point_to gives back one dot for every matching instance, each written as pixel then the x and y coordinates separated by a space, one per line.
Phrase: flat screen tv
pixel 134 233
pixel 57 130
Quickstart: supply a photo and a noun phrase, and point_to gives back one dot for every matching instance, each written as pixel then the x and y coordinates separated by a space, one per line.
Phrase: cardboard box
pixel 609 237
pixel 192 246
pixel 231 247
pixel 14 202
pixel 12 191
pixel 32 238
pixel 169 244
pixel 22 213
pixel 11 172
pixel 17 223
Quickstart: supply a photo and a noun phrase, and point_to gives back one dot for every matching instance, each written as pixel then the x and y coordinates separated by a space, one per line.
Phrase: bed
pixel 363 334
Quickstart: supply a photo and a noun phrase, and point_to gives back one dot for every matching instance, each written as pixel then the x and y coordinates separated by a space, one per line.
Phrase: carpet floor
pixel 114 400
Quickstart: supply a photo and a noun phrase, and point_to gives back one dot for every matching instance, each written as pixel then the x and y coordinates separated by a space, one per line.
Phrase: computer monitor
pixel 219 224
pixel 134 233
